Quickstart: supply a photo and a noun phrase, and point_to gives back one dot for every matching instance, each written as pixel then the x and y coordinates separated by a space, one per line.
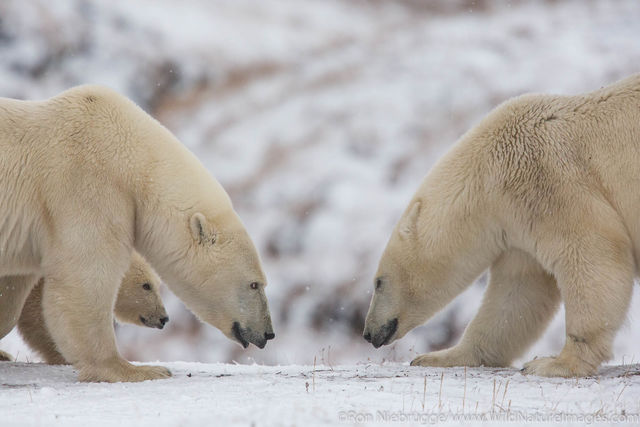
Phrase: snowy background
pixel 319 117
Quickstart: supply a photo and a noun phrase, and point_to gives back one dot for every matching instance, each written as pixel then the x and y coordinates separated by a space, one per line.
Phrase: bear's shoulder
pixel 90 95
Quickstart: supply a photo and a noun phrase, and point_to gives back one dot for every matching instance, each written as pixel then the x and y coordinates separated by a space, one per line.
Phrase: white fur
pixel 134 303
pixel 544 193
pixel 86 177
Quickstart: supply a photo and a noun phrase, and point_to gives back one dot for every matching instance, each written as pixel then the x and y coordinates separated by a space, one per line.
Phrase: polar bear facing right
pixel 86 177
pixel 543 192
pixel 138 303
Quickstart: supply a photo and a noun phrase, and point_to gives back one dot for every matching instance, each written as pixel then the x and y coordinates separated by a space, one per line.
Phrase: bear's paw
pixel 122 372
pixel 444 358
pixel 557 367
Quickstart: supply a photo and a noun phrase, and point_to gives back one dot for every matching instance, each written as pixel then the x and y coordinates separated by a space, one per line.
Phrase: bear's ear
pixel 201 230
pixel 408 227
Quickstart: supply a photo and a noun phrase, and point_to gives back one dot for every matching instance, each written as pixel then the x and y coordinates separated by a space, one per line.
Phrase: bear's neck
pixel 172 186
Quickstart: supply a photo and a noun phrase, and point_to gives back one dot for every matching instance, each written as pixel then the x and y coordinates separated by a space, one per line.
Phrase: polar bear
pixel 543 192
pixel 138 302
pixel 86 177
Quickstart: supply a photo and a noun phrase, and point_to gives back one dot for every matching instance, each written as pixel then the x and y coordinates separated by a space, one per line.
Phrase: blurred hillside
pixel 319 118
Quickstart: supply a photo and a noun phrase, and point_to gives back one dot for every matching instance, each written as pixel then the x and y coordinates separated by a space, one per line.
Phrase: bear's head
pixel 415 276
pixel 435 251
pixel 184 223
pixel 395 305
pixel 222 278
pixel 138 300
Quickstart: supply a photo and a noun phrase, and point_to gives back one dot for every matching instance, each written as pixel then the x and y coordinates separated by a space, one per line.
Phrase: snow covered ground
pixel 254 395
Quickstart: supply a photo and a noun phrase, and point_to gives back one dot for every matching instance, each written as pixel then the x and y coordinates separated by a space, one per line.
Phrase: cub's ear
pixel 407 227
pixel 201 230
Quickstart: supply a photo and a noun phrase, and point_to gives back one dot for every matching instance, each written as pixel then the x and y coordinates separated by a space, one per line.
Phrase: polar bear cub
pixel 138 303
pixel 544 193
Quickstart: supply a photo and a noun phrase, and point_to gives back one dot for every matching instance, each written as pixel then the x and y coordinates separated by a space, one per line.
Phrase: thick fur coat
pixel 86 177
pixel 544 193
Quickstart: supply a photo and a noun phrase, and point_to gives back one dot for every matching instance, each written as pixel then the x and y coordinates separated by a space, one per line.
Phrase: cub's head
pixel 138 299
pixel 226 284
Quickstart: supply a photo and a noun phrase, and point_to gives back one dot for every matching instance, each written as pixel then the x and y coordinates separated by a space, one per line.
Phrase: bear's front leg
pixel 595 275
pixel 78 311
pixel 519 302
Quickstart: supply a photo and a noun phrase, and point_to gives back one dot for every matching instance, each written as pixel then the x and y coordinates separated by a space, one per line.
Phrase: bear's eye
pixel 378 284
pixel 254 285
pixel 146 287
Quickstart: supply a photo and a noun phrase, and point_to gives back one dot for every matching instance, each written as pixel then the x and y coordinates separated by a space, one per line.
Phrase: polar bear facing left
pixel 544 193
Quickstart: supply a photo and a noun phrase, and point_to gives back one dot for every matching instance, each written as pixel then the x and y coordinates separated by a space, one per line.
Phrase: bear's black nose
pixel 269 335
pixel 367 336
pixel 164 320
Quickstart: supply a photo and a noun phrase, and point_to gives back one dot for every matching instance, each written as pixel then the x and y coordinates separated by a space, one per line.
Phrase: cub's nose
pixel 269 335
pixel 164 320
pixel 367 336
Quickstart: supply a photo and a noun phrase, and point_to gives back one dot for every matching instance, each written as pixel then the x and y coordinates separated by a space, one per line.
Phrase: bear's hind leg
pixel 518 304
pixel 78 310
